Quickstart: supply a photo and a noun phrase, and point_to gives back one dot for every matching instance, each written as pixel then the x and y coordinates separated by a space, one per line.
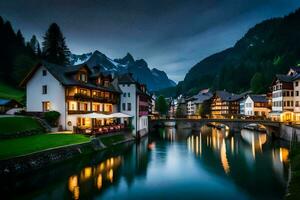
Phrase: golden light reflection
pixel 110 175
pixel 99 181
pixel 224 159
pixel 253 146
pixel 76 193
pixel 232 145
pixel 197 145
pixel 103 169
pixel 283 154
pixel 200 143
pixel 73 186
pixel 86 173
pixel 73 182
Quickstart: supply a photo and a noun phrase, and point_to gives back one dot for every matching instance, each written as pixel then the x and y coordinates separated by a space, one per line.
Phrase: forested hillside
pixel 268 48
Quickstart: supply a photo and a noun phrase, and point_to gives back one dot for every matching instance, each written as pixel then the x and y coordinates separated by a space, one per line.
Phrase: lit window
pixel 46 106
pixel 82 77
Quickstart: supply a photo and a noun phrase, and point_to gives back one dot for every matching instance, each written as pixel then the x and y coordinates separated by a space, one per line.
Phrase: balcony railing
pixel 84 97
pixel 71 112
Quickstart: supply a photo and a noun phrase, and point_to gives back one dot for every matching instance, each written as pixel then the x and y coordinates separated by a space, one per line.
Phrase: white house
pixel 195 102
pixel 256 105
pixel 135 101
pixel 283 97
pixel 74 92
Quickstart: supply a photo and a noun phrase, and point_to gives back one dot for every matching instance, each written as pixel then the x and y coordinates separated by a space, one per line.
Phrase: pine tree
pixel 55 49
pixel 39 51
pixel 20 38
pixel 34 44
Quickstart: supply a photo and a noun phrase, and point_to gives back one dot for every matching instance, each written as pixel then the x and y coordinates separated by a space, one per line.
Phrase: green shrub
pixel 52 118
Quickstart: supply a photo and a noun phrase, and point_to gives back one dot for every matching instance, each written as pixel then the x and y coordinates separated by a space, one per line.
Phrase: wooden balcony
pixel 83 97
pixel 74 112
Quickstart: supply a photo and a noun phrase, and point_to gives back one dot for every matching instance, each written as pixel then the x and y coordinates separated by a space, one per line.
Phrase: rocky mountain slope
pixel 154 79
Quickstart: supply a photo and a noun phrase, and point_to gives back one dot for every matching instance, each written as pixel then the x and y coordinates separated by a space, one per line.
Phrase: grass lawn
pixel 9 92
pixel 107 141
pixel 12 125
pixel 25 145
pixel 294 187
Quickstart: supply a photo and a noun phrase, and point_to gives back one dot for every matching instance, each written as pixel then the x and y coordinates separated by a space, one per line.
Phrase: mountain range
pixel 154 79
pixel 268 48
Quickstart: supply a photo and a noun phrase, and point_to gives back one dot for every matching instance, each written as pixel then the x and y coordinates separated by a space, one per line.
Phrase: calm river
pixel 169 164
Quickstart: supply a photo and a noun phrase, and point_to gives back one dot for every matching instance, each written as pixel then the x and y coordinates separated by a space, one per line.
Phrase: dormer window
pixel 83 77
pixel 99 80
pixel 106 83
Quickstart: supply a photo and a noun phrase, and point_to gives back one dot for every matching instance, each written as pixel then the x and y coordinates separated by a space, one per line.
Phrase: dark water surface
pixel 169 164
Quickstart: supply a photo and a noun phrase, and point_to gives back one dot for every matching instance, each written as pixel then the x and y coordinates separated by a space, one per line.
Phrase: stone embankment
pixel 27 163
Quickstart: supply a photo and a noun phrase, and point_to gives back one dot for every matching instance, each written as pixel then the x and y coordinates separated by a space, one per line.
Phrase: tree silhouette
pixel 55 49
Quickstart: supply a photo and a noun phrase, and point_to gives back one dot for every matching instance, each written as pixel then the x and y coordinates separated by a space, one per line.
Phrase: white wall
pixel 143 123
pixel 296 98
pixel 129 88
pixel 55 94
pixel 249 107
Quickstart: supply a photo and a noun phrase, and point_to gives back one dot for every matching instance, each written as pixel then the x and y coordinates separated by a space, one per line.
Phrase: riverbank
pixel 294 185
pixel 18 162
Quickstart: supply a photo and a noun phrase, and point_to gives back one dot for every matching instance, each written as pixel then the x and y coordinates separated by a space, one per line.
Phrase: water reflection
pixel 208 163
pixel 94 174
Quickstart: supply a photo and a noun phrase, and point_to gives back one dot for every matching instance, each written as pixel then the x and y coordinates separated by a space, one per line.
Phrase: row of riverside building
pixel 78 91
pixel 282 103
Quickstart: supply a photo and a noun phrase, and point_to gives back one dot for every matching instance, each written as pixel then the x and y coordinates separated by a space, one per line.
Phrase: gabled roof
pixel 295 68
pixel 126 78
pixel 64 75
pixel 4 102
pixel 284 78
pixel 226 96
pixel 200 97
pixel 258 98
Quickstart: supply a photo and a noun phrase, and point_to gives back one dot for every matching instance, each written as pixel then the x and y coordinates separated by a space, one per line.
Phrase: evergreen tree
pixel 34 44
pixel 55 49
pixel 20 38
pixel 39 52
pixel 161 105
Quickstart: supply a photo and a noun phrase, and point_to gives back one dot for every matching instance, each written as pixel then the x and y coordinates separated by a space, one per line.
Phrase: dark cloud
pixel 170 35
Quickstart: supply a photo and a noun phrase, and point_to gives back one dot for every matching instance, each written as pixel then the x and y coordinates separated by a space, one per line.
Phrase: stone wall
pixel 289 133
pixel 23 164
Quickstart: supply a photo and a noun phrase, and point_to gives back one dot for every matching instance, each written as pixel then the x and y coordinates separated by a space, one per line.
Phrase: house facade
pixel 283 97
pixel 195 102
pixel 225 104
pixel 135 101
pixel 75 91
pixel 256 105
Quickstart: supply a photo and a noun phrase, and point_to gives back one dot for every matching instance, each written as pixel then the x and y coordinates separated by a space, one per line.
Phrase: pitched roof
pixel 200 97
pixel 3 102
pixel 226 96
pixel 64 75
pixel 126 78
pixel 295 68
pixel 258 98
pixel 284 78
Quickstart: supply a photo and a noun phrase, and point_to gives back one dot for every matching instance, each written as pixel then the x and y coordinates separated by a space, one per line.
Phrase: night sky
pixel 171 35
